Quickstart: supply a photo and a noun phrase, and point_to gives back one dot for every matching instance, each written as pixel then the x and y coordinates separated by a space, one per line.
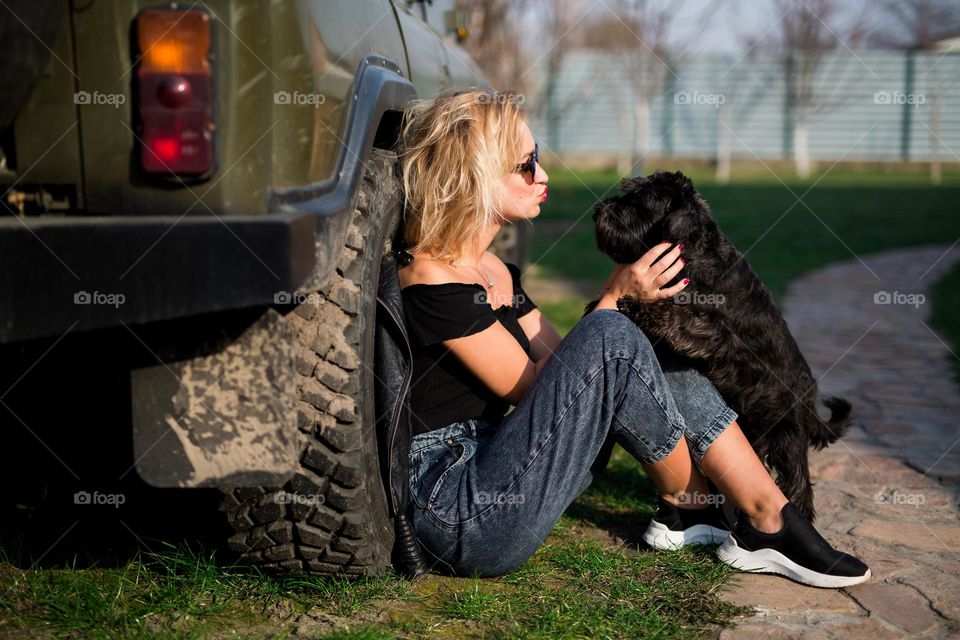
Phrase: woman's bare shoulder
pixel 493 261
pixel 426 271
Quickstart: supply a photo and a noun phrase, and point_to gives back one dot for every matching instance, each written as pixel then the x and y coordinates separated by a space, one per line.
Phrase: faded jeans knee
pixel 693 406
pixel 616 335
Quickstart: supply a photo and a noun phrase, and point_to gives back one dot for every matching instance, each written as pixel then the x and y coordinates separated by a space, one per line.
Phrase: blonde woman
pixel 487 488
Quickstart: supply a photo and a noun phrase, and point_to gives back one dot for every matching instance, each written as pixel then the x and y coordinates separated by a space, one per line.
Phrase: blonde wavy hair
pixel 455 150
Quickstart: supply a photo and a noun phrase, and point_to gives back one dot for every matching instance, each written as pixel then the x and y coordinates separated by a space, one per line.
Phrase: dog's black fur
pixel 739 341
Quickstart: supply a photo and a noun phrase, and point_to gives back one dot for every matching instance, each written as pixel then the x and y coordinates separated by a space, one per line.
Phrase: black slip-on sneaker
pixel 673 527
pixel 797 551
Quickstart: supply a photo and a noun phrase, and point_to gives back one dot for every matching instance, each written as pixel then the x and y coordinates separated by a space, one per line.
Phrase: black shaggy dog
pixel 726 321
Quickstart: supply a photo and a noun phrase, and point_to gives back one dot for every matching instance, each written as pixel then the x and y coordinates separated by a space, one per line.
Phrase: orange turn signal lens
pixel 173 41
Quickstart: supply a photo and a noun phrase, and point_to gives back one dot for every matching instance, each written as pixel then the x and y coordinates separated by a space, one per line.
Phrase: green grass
pixel 585 589
pixel 579 584
pixel 175 594
pixel 365 633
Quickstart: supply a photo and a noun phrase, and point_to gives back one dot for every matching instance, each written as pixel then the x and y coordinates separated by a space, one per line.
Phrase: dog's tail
pixel 834 428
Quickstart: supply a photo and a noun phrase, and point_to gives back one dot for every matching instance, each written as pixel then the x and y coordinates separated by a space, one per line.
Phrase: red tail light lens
pixel 175 91
pixel 166 150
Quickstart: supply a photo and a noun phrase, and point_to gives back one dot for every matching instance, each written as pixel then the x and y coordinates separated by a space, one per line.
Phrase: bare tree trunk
pixel 936 174
pixel 801 154
pixel 724 145
pixel 494 40
pixel 624 152
pixel 641 133
pixel 810 60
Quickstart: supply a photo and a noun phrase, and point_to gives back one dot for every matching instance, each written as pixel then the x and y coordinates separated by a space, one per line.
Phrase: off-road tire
pixel 332 515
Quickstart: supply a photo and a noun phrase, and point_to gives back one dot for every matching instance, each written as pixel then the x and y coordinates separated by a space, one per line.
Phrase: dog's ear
pixel 619 229
pixel 684 184
pixel 673 186
pixel 687 197
pixel 628 185
pixel 689 213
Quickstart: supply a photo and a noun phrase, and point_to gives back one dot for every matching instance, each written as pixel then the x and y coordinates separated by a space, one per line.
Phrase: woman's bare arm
pixel 541 333
pixel 497 359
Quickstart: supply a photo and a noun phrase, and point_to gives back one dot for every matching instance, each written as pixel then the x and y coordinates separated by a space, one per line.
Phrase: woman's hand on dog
pixel 643 280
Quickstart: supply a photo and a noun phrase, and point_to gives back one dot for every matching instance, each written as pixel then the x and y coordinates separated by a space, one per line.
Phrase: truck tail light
pixel 175 92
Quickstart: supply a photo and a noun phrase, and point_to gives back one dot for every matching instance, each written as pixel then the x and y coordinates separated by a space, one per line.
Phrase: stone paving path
pixel 889 491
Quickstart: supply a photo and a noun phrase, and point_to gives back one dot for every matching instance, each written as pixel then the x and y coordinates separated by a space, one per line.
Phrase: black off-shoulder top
pixel 443 390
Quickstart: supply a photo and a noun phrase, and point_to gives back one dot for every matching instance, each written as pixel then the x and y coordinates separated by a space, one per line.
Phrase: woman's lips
pixel 544 196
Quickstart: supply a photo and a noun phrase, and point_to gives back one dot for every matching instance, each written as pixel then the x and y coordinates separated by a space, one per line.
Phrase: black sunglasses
pixel 531 164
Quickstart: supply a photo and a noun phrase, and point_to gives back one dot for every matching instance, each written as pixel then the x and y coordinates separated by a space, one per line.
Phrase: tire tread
pixel 347 527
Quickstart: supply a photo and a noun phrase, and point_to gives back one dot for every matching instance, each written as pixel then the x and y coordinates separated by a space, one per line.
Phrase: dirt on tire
pixel 332 515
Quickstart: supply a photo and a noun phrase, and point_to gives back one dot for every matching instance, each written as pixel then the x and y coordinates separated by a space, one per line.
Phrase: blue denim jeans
pixel 486 495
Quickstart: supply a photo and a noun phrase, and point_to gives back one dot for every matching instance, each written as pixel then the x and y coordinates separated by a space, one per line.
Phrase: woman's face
pixel 523 193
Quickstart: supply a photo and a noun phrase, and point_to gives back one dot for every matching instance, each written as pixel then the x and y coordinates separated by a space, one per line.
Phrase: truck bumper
pixel 64 273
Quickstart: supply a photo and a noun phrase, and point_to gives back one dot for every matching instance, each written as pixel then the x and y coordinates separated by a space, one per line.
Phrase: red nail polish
pixel 680 246
pixel 686 280
pixel 682 261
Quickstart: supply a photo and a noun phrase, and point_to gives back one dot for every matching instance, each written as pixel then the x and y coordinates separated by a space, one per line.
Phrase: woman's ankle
pixel 689 500
pixel 767 524
pixel 767 517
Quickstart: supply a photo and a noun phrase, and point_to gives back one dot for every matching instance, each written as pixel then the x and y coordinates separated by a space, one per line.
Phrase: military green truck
pixel 224 174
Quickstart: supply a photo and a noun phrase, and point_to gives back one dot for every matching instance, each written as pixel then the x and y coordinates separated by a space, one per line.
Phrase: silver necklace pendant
pixel 483 276
pixel 489 281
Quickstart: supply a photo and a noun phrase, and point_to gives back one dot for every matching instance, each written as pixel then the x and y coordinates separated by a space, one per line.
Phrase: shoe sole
pixel 771 561
pixel 659 536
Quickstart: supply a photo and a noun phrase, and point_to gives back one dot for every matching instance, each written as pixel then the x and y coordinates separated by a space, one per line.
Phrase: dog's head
pixel 647 211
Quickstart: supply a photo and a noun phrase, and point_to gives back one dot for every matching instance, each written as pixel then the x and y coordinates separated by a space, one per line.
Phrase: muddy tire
pixel 332 516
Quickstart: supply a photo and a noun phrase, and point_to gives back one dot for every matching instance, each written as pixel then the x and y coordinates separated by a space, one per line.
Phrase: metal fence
pixel 875 105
